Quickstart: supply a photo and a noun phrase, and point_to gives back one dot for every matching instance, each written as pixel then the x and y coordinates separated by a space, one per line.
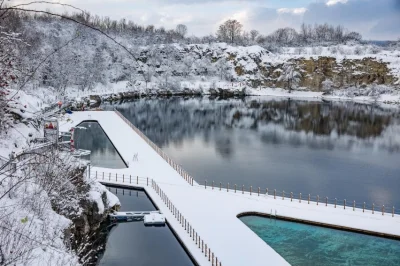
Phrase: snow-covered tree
pixel 290 76
pixel 222 67
pixel 327 85
pixel 254 34
pixel 9 72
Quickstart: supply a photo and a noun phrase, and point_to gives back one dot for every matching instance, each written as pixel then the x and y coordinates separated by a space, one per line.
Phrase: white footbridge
pixel 205 216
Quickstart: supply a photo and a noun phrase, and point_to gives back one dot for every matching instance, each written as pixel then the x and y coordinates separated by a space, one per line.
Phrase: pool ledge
pixel 326 225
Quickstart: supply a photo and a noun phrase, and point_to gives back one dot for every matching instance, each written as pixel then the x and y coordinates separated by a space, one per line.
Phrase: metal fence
pixel 301 198
pixel 119 178
pixel 174 165
pixel 200 243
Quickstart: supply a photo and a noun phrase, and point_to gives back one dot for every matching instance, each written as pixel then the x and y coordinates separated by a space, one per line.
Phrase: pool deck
pixel 212 213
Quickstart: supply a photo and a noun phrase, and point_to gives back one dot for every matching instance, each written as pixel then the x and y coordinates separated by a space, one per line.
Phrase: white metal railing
pixel 299 198
pixel 119 178
pixel 200 243
pixel 174 165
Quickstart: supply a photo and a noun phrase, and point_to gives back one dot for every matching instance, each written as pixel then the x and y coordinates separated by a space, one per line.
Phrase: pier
pixel 205 216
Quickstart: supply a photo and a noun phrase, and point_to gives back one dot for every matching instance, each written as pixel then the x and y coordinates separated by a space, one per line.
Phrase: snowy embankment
pixel 37 199
pixel 118 91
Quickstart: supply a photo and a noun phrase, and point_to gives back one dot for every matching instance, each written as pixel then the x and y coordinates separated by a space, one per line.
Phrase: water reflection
pixel 135 244
pixel 341 150
pixel 90 136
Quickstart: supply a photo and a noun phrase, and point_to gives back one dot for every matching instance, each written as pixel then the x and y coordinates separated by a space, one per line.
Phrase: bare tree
pixel 230 30
pixel 181 29
pixel 253 35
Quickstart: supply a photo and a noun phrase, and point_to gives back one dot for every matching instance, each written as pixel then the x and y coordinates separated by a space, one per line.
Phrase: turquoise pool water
pixel 302 244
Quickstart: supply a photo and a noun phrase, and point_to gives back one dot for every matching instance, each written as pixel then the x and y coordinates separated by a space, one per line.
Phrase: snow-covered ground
pixel 31 231
pixel 213 212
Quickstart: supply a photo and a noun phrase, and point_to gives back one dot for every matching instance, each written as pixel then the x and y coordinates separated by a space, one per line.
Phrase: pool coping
pixel 326 225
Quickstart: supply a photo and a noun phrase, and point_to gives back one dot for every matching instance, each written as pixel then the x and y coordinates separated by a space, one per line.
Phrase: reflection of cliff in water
pixel 318 125
pixel 93 138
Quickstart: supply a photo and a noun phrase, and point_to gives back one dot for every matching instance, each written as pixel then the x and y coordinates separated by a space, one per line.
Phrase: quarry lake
pixel 340 150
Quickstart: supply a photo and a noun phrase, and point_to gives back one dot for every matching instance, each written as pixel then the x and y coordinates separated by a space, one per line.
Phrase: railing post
pixel 354 205
pixel 300 197
pixel 373 205
pixel 242 189
pixel 227 187
pixel 383 210
pixel 335 202
pixel 205 184
pixel 205 251
pixel 220 185
pixel 364 207
pixel 213 184
pixel 291 196
pixel 235 188
pixel 137 179
pixel 251 189
pixel 116 177
pixel 393 211
pixel 309 196
pixel 266 192
pixel 213 259
pixel 130 179
pixel 258 191
pixel 283 195
pixel 344 204
pixel 274 193
pixel 317 199
pixel 202 246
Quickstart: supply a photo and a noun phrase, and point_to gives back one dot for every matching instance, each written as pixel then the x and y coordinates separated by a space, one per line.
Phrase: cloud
pixel 374 19
pixel 294 11
pixel 334 2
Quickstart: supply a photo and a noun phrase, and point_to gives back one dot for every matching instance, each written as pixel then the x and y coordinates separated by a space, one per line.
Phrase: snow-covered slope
pixel 90 60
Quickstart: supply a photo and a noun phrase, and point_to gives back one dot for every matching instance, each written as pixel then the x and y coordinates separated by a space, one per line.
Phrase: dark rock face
pixel 95 98
pixel 88 232
pixel 86 235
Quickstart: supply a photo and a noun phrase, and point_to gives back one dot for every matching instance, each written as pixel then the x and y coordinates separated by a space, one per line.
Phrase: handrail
pixel 200 243
pixel 174 165
pixel 299 197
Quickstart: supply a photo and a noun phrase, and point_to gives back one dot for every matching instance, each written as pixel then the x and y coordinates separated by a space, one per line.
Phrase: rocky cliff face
pixel 86 235
pixel 345 73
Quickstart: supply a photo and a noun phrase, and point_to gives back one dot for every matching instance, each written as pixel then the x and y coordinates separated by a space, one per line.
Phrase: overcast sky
pixel 374 19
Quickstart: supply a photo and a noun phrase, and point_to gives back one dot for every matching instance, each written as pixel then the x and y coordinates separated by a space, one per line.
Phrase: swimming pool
pixel 302 244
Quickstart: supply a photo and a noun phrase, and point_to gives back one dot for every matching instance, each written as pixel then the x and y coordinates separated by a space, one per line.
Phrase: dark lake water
pixel 90 136
pixel 340 150
pixel 135 244
pixel 129 243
